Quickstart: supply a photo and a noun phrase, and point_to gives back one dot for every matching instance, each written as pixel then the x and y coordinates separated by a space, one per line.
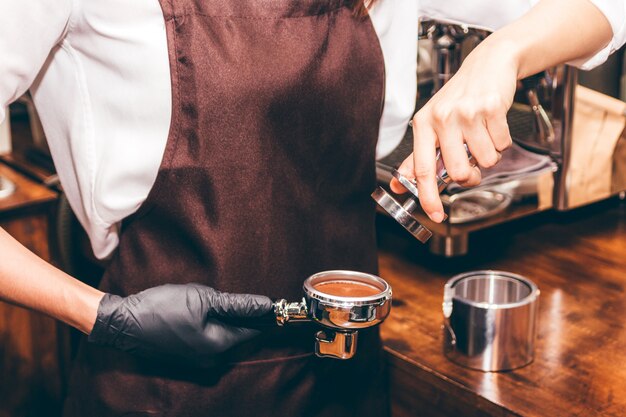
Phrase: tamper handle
pixel 443 178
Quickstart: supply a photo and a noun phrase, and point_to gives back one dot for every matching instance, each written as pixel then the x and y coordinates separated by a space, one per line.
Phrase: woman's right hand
pixel 470 110
pixel 178 321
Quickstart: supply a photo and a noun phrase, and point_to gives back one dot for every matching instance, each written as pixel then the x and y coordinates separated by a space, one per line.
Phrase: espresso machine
pixel 533 176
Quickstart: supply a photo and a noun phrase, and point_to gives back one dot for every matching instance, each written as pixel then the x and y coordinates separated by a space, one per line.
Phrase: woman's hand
pixel 472 106
pixel 191 321
pixel 470 109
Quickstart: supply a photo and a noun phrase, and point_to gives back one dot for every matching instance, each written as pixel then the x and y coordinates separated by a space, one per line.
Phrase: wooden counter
pixel 578 260
pixel 31 358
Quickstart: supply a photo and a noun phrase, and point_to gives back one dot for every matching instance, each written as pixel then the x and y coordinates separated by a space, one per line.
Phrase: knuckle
pixel 419 117
pixel 504 144
pixel 460 173
pixel 441 114
pixel 471 182
pixel 467 113
pixel 422 173
pixel 489 161
pixel 492 105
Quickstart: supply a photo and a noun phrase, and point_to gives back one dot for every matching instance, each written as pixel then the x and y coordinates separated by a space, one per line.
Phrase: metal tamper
pixel 403 213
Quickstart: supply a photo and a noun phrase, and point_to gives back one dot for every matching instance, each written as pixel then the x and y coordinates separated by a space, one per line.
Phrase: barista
pixel 217 149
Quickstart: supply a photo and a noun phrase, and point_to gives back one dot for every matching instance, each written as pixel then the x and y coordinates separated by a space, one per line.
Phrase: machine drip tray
pixel 7 187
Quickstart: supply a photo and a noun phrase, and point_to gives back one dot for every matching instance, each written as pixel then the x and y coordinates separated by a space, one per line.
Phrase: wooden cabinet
pixel 31 360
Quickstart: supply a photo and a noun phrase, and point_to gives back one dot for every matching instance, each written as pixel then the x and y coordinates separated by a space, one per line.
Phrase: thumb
pixel 406 169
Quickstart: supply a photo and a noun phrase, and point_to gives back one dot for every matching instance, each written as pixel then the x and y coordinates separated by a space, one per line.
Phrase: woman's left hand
pixel 191 322
pixel 470 109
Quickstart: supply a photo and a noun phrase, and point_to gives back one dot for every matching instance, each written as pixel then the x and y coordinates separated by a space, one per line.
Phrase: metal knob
pixel 403 213
pixel 543 128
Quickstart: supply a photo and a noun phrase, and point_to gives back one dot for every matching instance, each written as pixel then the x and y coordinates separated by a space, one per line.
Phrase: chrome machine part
pixel 476 205
pixel 340 316
pixel 338 345
pixel 403 213
pixel 543 126
pixel 447 41
pixel 490 320
pixel 449 246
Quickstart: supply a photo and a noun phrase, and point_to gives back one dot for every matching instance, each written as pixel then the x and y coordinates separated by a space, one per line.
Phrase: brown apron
pixel 265 180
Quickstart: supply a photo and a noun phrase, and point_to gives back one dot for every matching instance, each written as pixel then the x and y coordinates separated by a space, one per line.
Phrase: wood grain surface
pixel 31 378
pixel 28 194
pixel 578 260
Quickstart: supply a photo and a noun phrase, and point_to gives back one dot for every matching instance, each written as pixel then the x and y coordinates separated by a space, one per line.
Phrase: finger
pixel 499 131
pixel 481 145
pixel 406 169
pixel 475 178
pixel 217 337
pixel 424 168
pixel 455 157
pixel 232 336
pixel 223 304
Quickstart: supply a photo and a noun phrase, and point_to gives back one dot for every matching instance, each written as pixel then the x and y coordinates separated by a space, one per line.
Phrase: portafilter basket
pixel 490 320
pixel 341 302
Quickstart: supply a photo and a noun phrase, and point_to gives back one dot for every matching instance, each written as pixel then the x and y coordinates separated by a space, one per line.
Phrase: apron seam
pixel 173 133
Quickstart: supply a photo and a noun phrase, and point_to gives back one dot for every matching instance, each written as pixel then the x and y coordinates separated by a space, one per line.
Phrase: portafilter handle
pixel 403 213
pixel 290 312
pixel 336 344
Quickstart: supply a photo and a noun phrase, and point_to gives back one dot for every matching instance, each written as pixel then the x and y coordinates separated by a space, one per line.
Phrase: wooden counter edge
pixel 417 389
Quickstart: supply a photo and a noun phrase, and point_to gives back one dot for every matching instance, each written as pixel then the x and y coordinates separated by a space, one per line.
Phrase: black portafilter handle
pixel 281 313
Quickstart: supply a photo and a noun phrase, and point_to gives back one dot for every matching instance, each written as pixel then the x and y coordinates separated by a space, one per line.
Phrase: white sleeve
pixel 484 14
pixel 615 12
pixel 493 14
pixel 29 29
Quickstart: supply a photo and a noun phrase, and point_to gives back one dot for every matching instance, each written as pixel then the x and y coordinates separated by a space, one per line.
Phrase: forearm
pixel 552 32
pixel 29 281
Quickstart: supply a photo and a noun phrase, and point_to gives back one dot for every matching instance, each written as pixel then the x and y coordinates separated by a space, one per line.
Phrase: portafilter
pixel 341 303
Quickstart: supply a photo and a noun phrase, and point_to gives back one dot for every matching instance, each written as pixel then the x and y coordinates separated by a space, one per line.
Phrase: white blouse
pixel 99 75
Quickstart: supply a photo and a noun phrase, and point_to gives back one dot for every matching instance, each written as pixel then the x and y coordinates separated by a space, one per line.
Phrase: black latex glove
pixel 178 321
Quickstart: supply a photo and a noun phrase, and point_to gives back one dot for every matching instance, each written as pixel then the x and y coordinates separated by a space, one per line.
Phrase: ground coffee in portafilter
pixel 347 288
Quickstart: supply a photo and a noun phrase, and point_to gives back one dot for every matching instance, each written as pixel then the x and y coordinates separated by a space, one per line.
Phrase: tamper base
pixel 401 215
